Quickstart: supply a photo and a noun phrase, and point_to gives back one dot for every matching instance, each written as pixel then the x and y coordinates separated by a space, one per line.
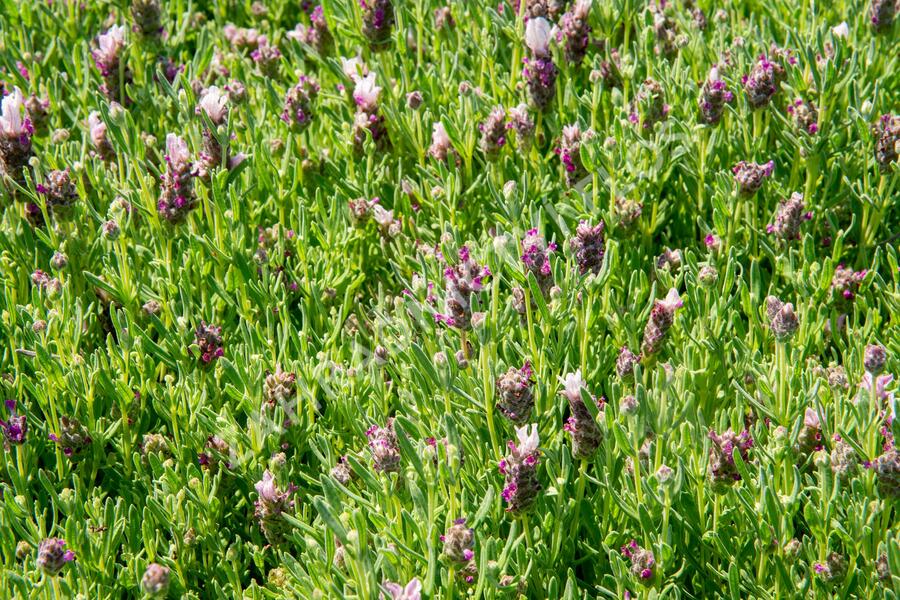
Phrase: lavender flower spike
pixel 589 247
pixel 461 282
pixel 493 134
pixel 15 137
pixel 721 470
pixel 788 217
pixel 366 95
pixel 214 103
pixel 377 21
pixel 108 60
pixel 100 137
pixel 300 104
pixel 271 505
pixel 713 97
pixel 662 315
pixel 887 142
pixel 384 448
pixel 570 153
pixel 53 556
pixel 763 82
pixel 586 435
pixel 515 395
pixel 520 469
pixel 441 148
pixel 15 428
pixel 751 176
pixel 176 197
pixel 575 32
pixel 782 319
pixel 539 72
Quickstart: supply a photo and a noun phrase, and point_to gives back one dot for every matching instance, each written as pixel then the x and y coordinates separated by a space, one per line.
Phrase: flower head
pixel 721 470
pixel 763 81
pixel 177 154
pixel 209 339
pixel 53 556
pixel 589 246
pixel 520 470
pixel 881 383
pixel 271 505
pixel 109 45
pixel 462 282
pixel 384 448
pixel 441 147
pixel 782 319
pixel 713 96
pixel 662 316
pixel 515 395
pixel 155 582
pixel 14 428
pixel 751 176
pixel 367 93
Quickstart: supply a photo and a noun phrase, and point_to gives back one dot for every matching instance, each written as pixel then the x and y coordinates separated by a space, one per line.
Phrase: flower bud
pixel 414 100
pixel 155 582
pixel 628 406
pixel 708 276
pixel 782 320
pixel 53 556
pixel 874 359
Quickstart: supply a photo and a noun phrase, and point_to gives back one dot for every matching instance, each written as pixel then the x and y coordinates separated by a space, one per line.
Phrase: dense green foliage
pixel 361 278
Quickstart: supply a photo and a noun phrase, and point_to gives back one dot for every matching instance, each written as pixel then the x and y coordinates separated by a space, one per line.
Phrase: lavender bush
pixel 520 299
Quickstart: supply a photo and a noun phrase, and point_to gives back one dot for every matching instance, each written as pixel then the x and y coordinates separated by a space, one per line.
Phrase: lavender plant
pixel 520 299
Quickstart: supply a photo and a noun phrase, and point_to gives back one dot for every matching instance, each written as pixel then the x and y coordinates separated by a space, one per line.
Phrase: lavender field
pixel 445 299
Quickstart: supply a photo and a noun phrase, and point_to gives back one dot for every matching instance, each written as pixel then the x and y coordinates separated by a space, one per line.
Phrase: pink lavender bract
pixel 368 122
pixel 100 137
pixel 108 60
